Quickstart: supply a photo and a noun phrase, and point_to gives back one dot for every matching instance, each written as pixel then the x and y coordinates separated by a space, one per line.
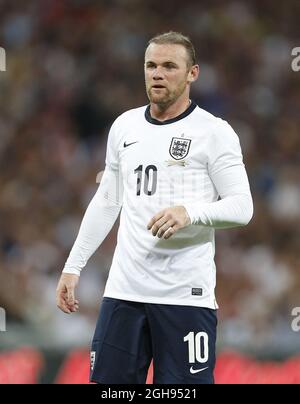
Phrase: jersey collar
pixel 154 121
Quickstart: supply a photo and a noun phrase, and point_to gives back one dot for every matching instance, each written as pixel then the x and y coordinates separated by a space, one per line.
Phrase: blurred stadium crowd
pixel 72 67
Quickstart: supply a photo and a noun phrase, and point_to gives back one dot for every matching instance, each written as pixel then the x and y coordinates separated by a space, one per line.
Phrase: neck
pixel 163 112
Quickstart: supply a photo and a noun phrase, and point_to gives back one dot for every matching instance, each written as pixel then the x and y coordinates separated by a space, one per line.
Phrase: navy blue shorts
pixel 180 339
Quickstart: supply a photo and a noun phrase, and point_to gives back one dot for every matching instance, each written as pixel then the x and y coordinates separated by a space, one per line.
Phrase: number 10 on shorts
pixel 197 346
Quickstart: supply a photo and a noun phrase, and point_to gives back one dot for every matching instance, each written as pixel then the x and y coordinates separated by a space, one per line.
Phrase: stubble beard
pixel 167 99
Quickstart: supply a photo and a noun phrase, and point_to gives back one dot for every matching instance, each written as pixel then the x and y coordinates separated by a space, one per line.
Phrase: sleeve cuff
pixel 72 271
pixel 190 211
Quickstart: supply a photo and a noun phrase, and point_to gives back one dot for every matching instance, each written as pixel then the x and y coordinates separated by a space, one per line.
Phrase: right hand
pixel 65 293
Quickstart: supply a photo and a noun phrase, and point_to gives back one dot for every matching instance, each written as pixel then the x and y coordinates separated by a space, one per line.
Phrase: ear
pixel 193 74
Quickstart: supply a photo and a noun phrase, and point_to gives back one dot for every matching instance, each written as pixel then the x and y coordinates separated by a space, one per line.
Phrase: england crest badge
pixel 179 147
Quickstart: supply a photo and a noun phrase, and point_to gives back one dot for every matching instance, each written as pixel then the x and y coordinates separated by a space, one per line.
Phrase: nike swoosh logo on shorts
pixel 129 144
pixel 193 371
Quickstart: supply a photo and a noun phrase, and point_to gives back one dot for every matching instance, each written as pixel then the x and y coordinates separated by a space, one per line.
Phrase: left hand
pixel 166 222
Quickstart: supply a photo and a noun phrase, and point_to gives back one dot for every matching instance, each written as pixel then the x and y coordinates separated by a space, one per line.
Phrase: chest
pixel 163 147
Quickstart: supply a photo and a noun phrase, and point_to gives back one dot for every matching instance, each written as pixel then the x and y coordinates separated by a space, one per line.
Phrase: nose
pixel 157 73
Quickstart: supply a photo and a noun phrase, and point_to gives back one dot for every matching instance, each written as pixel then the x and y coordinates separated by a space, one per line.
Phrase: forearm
pixel 232 211
pixel 235 208
pixel 97 222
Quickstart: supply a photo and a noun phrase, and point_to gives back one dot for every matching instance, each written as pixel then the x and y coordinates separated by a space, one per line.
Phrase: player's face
pixel 167 73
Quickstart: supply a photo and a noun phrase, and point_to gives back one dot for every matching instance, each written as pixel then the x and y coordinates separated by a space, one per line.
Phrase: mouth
pixel 158 86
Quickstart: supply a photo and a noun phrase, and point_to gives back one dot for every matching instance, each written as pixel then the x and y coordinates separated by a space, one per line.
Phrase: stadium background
pixel 72 67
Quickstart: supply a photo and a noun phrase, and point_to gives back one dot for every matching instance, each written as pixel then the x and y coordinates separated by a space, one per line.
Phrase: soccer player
pixel 176 173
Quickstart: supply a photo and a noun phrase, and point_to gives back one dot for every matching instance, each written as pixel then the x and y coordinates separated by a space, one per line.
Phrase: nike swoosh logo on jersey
pixel 129 144
pixel 193 371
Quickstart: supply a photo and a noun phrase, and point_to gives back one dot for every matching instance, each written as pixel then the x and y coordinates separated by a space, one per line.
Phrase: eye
pixel 150 66
pixel 170 66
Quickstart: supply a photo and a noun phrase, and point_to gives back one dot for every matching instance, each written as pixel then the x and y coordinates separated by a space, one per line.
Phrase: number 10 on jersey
pixel 197 346
pixel 143 177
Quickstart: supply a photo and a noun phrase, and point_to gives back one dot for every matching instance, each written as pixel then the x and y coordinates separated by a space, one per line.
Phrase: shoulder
pixel 131 116
pixel 218 128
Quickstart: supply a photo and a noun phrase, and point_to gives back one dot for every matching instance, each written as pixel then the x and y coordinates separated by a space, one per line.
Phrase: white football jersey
pixel 161 164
